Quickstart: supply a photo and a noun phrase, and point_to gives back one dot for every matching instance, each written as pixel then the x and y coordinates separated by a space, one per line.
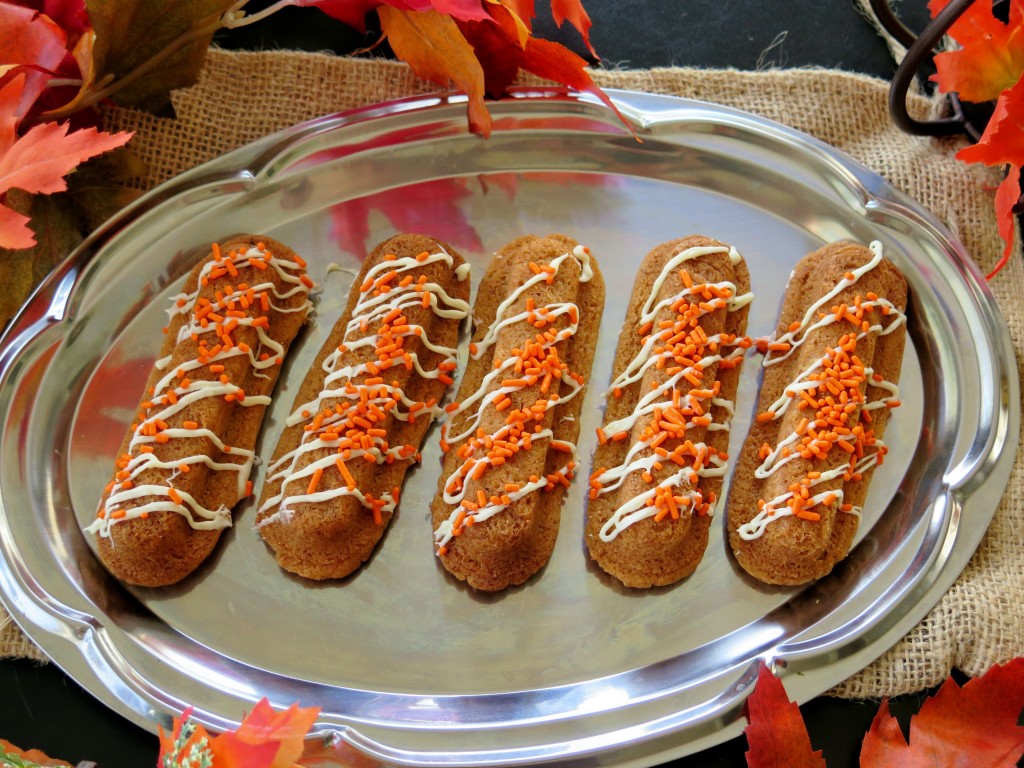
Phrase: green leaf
pixel 55 225
pixel 156 45
pixel 100 187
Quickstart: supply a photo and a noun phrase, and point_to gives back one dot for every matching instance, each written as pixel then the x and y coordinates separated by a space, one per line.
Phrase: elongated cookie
pixel 662 451
pixel 830 380
pixel 186 461
pixel 363 410
pixel 510 439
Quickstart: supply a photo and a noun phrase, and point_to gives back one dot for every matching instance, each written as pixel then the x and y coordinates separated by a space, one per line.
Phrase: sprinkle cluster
pixel 833 392
pixel 349 421
pixel 535 370
pixel 249 286
pixel 674 356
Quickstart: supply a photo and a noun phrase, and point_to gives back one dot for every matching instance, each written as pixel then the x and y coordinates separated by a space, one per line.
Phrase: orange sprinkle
pixel 350 482
pixel 314 481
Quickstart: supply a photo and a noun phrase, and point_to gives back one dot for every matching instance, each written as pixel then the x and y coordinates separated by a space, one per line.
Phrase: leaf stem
pixel 62 82
pixel 242 20
pixel 109 88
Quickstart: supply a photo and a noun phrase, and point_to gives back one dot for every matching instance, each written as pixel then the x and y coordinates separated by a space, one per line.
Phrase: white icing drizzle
pixel 245 301
pixel 539 349
pixel 685 354
pixel 806 388
pixel 348 417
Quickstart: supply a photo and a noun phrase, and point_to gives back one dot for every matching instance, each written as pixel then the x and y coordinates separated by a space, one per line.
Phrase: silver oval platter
pixel 409 666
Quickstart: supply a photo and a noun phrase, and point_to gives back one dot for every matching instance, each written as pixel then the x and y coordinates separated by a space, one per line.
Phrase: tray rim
pixel 49 303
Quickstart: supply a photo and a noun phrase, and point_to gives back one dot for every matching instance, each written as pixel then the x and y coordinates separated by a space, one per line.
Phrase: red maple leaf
pixel 63 22
pixel 776 732
pixel 967 727
pixel 434 206
pixel 38 161
pixel 353 12
pixel 34 46
pixel 497 45
pixel 70 15
pixel 478 46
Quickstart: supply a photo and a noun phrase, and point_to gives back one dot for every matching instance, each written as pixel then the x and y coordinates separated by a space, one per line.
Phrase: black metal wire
pixel 921 51
pixel 891 24
pixel 921 54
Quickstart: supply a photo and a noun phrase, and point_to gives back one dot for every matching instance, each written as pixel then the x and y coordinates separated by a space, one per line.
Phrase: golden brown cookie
pixel 510 441
pixel 187 459
pixel 662 450
pixel 830 380
pixel 363 410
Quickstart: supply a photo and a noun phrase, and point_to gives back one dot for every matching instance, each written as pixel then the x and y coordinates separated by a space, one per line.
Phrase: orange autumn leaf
pixel 230 752
pixel 286 729
pixel 991 56
pixel 264 739
pixel 1003 140
pixel 496 44
pixel 776 733
pixel 498 47
pixel 573 11
pixel 523 24
pixel 524 9
pixel 436 49
pixel 1007 196
pixel 554 62
pixel 38 161
pixel 1002 143
pixel 975 725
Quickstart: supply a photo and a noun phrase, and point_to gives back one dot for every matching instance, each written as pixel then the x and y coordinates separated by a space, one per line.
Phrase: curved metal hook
pixel 891 24
pixel 921 50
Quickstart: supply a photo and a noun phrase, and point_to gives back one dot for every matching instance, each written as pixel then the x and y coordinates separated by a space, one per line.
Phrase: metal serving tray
pixel 409 666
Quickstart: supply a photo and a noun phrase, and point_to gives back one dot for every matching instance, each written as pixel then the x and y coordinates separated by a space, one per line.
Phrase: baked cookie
pixel 364 408
pixel 510 439
pixel 830 380
pixel 186 460
pixel 662 450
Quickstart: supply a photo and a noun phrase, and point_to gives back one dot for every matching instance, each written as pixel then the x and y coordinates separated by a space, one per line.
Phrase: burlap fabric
pixel 980 622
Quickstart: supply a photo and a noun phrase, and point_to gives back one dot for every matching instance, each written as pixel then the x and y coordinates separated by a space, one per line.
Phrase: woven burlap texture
pixel 244 96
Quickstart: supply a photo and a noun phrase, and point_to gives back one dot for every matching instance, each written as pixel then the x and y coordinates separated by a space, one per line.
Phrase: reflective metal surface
pixel 408 666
